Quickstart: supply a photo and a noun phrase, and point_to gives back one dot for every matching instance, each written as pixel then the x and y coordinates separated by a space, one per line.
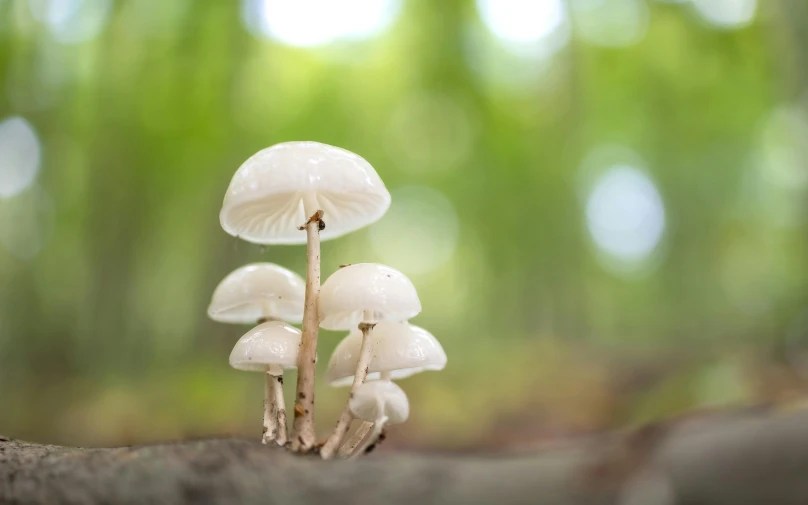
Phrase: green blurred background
pixel 602 203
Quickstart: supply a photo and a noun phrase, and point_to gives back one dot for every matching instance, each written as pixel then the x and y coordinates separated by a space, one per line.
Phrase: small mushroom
pixel 366 293
pixel 400 350
pixel 270 347
pixel 363 294
pixel 258 292
pixel 290 187
pixel 379 402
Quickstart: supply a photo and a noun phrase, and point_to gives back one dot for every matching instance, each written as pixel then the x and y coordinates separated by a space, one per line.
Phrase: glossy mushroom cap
pixel 402 349
pixel 269 347
pixel 258 291
pixel 352 290
pixel 265 201
pixel 377 400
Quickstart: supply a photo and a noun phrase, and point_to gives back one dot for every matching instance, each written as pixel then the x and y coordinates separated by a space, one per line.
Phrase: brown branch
pixel 738 459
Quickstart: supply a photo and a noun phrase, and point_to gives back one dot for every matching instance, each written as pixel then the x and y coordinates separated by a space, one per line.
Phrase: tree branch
pixel 732 459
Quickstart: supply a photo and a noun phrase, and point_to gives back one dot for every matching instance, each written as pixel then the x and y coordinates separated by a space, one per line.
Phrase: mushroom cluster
pixel 286 194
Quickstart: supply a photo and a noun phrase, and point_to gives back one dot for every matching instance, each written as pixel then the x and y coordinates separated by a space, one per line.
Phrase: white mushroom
pixel 378 402
pixel 399 351
pixel 280 187
pixel 256 292
pixel 270 347
pixel 288 185
pixel 364 293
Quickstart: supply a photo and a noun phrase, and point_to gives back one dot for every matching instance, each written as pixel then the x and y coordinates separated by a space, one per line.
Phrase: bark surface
pixel 733 459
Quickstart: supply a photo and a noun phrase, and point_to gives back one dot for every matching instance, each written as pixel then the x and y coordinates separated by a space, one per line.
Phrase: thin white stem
pixel 371 440
pixel 362 431
pixel 365 355
pixel 270 421
pixel 355 439
pixel 303 434
pixel 280 410
pixel 265 312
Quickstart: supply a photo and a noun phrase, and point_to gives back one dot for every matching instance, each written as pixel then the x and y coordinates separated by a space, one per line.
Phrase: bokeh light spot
pixel 527 28
pixel 625 215
pixel 521 20
pixel 726 13
pixel 419 233
pixel 311 23
pixel 610 23
pixel 19 156
pixel 72 21
pixel 429 132
pixel 775 183
pixel 784 148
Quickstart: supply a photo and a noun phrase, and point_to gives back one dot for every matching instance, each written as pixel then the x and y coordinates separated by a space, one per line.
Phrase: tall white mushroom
pixel 399 351
pixel 380 403
pixel 292 186
pixel 363 294
pixel 270 347
pixel 258 292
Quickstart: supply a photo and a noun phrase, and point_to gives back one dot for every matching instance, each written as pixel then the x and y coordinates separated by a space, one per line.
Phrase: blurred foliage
pixel 109 258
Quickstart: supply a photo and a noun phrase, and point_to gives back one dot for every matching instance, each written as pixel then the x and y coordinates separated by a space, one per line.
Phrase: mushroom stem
pixel 365 354
pixel 270 421
pixel 372 440
pixel 280 410
pixel 266 310
pixel 303 434
pixel 348 448
pixel 363 429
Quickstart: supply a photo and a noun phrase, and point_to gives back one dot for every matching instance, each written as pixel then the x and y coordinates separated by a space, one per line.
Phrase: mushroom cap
pixel 256 291
pixel 269 347
pixel 375 400
pixel 264 203
pixel 352 290
pixel 402 349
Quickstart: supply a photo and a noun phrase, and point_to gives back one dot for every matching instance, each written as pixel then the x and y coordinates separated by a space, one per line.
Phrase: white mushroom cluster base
pixel 301 193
